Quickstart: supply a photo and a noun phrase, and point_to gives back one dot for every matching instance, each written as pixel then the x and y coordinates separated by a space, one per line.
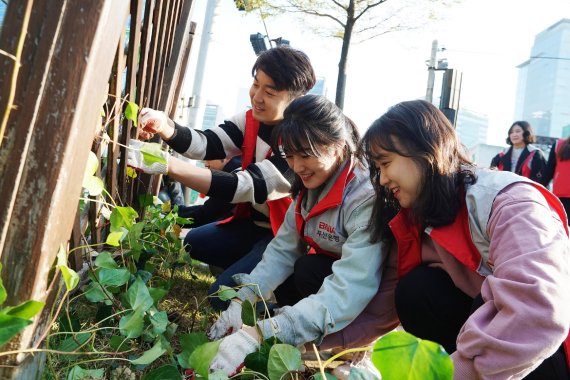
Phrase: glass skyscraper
pixel 543 94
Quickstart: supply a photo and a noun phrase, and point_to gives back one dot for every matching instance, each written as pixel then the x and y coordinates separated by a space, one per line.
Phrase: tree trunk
pixel 343 63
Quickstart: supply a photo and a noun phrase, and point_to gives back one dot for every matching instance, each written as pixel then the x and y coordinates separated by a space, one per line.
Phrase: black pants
pixel 309 273
pixel 431 307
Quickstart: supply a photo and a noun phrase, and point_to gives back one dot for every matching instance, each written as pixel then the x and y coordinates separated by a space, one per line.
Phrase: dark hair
pixel 289 68
pixel 528 133
pixel 418 130
pixel 310 123
pixel 564 150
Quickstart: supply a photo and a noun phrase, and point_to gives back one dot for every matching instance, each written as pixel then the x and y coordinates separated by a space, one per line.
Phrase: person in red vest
pixel 261 189
pixel 322 252
pixel 522 157
pixel 558 170
pixel 483 256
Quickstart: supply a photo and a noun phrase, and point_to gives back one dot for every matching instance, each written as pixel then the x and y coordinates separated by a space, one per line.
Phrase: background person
pixel 261 189
pixel 522 157
pixel 483 256
pixel 558 170
pixel 323 251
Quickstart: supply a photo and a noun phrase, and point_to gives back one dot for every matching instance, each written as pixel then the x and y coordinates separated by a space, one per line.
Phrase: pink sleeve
pixel 526 312
pixel 378 318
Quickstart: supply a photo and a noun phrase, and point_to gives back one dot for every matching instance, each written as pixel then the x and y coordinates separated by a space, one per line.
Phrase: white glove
pixel 152 121
pixel 148 157
pixel 232 352
pixel 228 323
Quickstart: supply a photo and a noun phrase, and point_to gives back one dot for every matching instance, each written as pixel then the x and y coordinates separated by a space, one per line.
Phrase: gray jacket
pixel 342 230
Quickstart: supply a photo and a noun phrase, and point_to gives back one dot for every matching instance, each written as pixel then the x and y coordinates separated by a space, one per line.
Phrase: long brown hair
pixel 418 130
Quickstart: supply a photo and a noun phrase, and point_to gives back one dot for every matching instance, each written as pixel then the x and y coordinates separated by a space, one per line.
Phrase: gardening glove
pixel 151 122
pixel 228 323
pixel 147 157
pixel 232 351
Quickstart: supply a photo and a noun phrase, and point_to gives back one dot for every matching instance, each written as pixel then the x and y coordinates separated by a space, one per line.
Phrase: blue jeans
pixel 236 246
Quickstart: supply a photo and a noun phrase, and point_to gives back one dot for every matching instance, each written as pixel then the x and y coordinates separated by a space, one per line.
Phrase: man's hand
pixel 148 157
pixel 232 352
pixel 228 323
pixel 152 122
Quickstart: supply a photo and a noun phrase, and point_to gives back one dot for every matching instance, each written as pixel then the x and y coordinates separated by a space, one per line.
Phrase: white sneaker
pixel 360 360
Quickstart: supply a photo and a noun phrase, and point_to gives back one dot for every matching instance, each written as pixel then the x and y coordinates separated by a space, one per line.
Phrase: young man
pixel 261 188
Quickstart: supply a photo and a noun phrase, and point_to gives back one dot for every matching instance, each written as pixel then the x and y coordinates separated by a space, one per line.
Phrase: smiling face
pixel 314 170
pixel 266 101
pixel 516 135
pixel 400 175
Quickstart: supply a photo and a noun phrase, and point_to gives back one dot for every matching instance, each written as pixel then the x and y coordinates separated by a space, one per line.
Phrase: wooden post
pixel 66 62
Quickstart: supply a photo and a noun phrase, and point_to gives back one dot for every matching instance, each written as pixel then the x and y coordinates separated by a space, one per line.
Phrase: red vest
pixel 277 207
pixel 331 200
pixel 525 167
pixel 561 180
pixel 454 238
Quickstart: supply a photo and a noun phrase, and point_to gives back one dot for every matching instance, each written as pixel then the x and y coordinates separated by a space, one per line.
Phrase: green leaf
pixel 131 324
pixel 114 238
pixel 328 376
pixel 11 326
pixel 131 112
pixel 153 153
pixel 25 310
pixel 219 375
pixel 283 358
pixel 257 361
pixel 78 373
pixel 131 173
pixel 361 374
pixel 166 372
pixel 248 316
pixel 202 357
pixel 3 294
pixel 92 165
pixel 400 355
pixel 119 343
pixel 135 235
pixel 73 343
pixel 94 292
pixel 159 322
pixel 122 217
pixel 189 342
pixel 113 277
pixel 70 277
pixel 105 260
pixel 225 292
pixel 94 185
pixel 159 348
pixel 138 296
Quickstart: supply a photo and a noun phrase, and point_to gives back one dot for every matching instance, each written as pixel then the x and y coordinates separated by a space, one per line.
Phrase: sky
pixel 485 39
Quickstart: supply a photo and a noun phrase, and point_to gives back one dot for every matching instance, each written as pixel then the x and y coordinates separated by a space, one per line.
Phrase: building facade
pixel 471 127
pixel 544 82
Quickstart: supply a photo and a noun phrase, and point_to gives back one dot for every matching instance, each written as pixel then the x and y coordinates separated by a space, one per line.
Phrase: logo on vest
pixel 327 232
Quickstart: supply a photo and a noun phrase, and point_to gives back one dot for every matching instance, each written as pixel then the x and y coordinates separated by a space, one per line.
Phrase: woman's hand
pixel 153 122
pixel 233 350
pixel 228 323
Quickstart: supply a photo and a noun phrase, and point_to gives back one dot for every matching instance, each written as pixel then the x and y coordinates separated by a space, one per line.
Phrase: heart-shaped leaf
pixel 400 355
pixel 283 358
pixel 202 357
